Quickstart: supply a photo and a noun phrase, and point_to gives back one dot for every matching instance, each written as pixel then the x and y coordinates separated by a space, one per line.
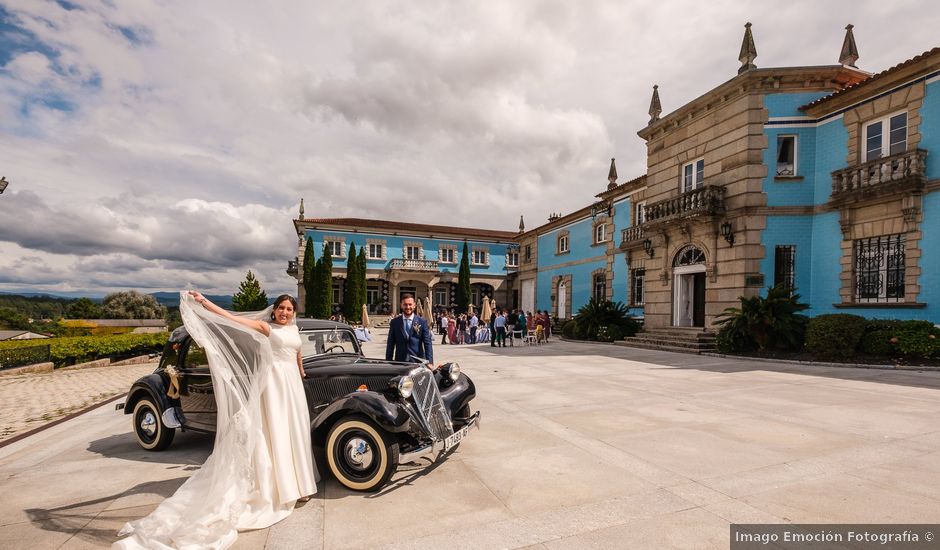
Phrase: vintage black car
pixel 367 415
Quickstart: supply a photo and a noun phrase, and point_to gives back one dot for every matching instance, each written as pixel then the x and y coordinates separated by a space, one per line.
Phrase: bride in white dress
pixel 262 460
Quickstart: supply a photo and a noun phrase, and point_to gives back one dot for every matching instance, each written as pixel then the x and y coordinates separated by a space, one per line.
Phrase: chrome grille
pixel 430 406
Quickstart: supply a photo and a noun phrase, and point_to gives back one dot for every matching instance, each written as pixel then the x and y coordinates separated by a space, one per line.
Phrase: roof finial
pixel 655 107
pixel 849 54
pixel 301 209
pixel 521 224
pixel 612 175
pixel 748 50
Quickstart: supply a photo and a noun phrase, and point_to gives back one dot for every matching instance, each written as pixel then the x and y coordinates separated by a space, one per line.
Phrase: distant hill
pixel 168 299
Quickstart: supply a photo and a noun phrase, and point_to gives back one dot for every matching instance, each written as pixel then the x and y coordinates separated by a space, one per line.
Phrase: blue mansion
pixel 819 178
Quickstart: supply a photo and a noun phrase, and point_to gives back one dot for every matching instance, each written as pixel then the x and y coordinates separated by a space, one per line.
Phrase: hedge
pixel 835 335
pixel 66 351
pixel 24 355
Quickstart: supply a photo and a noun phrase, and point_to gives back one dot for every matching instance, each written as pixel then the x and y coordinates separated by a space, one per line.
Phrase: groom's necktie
pixel 407 326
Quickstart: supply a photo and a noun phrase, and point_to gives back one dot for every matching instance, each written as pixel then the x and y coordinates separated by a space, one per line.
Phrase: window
pixel 563 244
pixel 786 156
pixel 512 259
pixel 885 137
pixel 600 233
pixel 693 175
pixel 639 280
pixel 879 269
pixel 376 251
pixel 412 252
pixel 639 214
pixel 785 266
pixel 448 255
pixel 336 248
pixel 372 296
pixel 528 252
pixel 600 287
pixel 440 296
pixel 480 256
pixel 336 294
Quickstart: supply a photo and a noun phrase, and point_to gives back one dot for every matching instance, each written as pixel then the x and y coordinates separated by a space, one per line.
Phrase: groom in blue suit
pixel 408 335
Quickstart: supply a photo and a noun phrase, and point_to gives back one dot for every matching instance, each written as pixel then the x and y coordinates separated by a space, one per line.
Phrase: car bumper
pixel 434 449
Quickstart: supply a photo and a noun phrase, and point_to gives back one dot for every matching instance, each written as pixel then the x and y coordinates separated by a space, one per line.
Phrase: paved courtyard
pixel 581 446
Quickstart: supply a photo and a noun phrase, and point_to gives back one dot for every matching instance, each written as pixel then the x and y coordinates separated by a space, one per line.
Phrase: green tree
pixel 362 278
pixel 324 281
pixel 131 304
pixel 250 297
pixel 352 308
pixel 13 320
pixel 463 281
pixel 83 308
pixel 310 283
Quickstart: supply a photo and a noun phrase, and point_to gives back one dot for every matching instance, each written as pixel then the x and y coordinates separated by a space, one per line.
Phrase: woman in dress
pixel 262 462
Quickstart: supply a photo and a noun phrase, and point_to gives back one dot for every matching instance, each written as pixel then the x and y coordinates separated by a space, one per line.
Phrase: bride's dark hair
pixel 281 298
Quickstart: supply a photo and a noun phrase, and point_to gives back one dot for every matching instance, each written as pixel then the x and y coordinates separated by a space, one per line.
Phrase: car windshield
pixel 326 342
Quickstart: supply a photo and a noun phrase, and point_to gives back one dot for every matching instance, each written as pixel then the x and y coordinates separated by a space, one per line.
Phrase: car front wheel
pixel 361 455
pixel 148 426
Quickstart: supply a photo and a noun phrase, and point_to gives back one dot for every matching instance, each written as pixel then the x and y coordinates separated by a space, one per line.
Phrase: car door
pixel 196 397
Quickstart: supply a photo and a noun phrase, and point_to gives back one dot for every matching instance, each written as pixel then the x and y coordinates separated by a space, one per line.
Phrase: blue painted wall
pixel 791 192
pixel 789 230
pixel 396 249
pixel 788 104
pixel 832 141
pixel 581 284
pixel 930 129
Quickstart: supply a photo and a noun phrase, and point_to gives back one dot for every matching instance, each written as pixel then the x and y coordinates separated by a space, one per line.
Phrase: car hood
pixel 356 365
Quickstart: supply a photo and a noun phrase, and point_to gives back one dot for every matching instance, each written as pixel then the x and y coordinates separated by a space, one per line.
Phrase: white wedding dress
pixel 262 459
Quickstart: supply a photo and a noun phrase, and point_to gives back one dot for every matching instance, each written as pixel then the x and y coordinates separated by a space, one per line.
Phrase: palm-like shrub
pixel 603 313
pixel 763 322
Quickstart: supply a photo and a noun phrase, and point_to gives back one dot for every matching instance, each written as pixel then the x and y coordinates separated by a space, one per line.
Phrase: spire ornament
pixel 748 50
pixel 612 175
pixel 655 107
pixel 301 209
pixel 849 54
pixel 521 224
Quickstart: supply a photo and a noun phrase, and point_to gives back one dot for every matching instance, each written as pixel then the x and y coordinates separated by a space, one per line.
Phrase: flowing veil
pixel 207 510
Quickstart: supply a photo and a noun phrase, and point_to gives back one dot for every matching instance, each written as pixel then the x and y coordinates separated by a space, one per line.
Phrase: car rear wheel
pixel 148 426
pixel 361 455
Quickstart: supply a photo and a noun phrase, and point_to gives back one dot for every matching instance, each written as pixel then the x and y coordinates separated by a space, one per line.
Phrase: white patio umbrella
pixel 427 307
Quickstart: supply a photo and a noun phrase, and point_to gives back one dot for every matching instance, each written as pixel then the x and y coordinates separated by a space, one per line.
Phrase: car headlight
pixel 453 371
pixel 405 386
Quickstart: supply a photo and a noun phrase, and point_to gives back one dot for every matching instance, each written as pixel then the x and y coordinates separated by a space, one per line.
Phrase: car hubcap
pixel 358 453
pixel 148 424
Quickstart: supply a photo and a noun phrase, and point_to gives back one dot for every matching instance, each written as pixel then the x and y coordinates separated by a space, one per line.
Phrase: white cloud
pixel 166 145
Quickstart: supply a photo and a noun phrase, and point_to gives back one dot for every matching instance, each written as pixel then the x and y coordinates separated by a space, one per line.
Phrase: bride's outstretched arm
pixel 254 324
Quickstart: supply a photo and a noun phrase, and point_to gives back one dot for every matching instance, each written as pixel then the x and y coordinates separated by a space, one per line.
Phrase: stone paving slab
pixel 581 446
pixel 28 401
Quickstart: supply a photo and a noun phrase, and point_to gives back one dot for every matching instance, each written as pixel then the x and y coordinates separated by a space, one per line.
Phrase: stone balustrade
pixel 707 200
pixel 883 174
pixel 411 265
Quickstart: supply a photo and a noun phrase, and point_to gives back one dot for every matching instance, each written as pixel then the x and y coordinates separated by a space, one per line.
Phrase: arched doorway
pixel 562 301
pixel 688 271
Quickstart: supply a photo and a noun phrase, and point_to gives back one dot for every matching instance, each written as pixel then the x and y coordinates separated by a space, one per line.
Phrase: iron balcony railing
pixel 411 265
pixel 886 174
pixel 708 200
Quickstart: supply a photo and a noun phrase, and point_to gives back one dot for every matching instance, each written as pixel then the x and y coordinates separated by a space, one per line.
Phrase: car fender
pixel 389 415
pixel 458 394
pixel 153 385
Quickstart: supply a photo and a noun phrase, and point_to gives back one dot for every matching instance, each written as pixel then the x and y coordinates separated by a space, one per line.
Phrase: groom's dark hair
pixel 407 295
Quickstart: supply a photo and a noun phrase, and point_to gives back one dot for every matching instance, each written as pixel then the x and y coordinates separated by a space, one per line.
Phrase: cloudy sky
pixel 166 145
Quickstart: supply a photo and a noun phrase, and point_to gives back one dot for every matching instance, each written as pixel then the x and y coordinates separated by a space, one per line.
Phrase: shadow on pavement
pixel 76 518
pixel 190 448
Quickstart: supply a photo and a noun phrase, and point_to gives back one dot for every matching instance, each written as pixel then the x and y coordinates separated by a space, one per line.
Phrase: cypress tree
pixel 362 278
pixel 351 289
pixel 310 286
pixel 463 281
pixel 325 295
pixel 250 297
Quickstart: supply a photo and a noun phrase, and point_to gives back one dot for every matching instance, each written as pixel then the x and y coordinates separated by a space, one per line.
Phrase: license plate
pixel 455 437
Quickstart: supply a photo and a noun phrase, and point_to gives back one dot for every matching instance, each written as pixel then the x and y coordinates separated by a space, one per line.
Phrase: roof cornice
pixel 769 80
